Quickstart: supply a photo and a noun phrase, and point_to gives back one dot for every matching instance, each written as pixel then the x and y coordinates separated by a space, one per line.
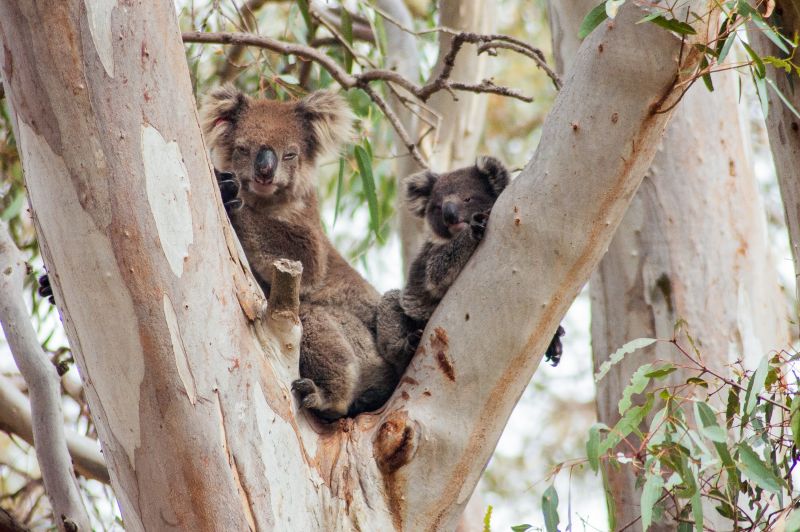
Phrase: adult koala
pixel 270 150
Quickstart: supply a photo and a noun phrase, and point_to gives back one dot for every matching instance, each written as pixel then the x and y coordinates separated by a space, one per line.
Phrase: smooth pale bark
pixel 188 385
pixel 783 125
pixel 692 246
pixel 44 390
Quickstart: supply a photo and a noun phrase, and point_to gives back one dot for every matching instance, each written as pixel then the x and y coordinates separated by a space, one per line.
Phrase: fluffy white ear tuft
pixel 418 191
pixel 220 110
pixel 331 120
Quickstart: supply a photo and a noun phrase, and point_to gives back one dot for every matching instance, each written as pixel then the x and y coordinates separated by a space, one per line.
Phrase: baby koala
pixel 456 207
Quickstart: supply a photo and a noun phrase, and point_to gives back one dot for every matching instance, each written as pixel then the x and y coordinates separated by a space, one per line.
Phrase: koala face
pixel 273 146
pixel 448 201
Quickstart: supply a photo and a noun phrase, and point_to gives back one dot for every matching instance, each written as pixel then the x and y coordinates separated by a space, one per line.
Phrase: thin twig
pixel 536 55
pixel 392 78
pixel 705 369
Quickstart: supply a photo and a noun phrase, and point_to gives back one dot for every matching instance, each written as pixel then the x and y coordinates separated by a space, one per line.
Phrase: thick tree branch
pixel 547 233
pixel 43 387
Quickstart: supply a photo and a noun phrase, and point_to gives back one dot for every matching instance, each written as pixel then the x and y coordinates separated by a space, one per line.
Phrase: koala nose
pixel 266 162
pixel 450 213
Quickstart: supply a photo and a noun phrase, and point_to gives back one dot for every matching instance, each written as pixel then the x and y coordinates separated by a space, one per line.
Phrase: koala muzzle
pixel 450 213
pixel 265 165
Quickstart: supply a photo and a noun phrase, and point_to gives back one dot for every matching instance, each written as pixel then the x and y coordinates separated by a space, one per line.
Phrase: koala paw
pixel 553 354
pixel 229 190
pixel 414 339
pixel 307 392
pixel 45 290
pixel 477 224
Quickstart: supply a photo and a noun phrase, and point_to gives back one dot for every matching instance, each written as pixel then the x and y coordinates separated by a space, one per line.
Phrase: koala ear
pixel 221 108
pixel 331 121
pixel 418 191
pixel 495 173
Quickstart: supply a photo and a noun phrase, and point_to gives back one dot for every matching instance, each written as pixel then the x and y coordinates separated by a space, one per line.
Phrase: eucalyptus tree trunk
pixel 187 373
pixel 783 124
pixel 692 246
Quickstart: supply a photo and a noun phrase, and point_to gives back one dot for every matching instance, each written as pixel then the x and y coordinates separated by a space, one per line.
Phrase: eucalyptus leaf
pixel 339 181
pixel 364 162
pixel 639 381
pixel 620 353
pixel 550 509
pixel 595 17
pixel 756 470
pixel 675 25
pixel 593 445
pixel 662 371
pixel 783 98
pixel 651 493
pixel 756 385
pixel 794 424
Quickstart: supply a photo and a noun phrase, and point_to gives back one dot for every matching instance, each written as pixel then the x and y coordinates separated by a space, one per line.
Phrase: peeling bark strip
pixel 121 151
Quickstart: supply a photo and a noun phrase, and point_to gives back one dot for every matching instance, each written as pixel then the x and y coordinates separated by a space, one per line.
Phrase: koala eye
pixel 467 200
pixel 289 156
pixel 242 150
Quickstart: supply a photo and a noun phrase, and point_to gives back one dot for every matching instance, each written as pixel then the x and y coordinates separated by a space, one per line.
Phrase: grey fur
pixel 468 194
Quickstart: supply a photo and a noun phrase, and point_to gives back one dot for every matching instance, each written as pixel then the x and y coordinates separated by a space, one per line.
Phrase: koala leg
pixel 327 365
pixel 397 334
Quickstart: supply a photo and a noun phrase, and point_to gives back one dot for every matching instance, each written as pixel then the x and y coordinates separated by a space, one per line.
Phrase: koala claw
pixel 478 224
pixel 229 190
pixel 555 349
pixel 414 339
pixel 45 290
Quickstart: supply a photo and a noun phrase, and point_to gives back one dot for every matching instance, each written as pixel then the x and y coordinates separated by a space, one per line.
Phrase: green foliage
pixel 592 20
pixel 742 468
pixel 735 15
pixel 550 509
pixel 620 353
pixel 487 519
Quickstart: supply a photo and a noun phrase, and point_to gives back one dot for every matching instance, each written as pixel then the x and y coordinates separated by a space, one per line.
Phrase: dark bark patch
pixel 395 444
pixel 394 447
pixel 440 344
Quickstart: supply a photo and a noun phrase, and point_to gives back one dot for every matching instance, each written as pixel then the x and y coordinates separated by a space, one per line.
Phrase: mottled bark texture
pixel 188 382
